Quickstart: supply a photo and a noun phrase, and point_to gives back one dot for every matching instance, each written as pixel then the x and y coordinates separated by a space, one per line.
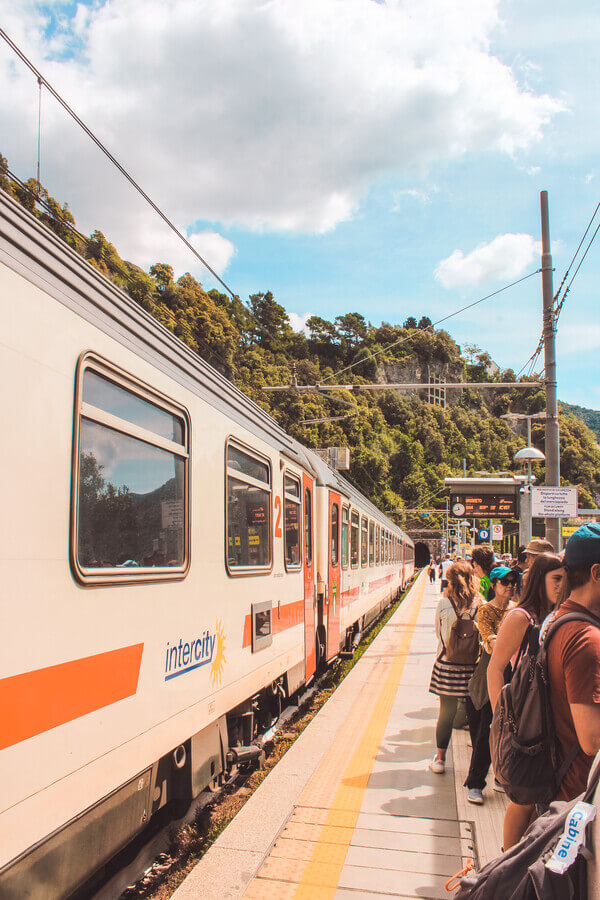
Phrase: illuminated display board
pixel 256 514
pixel 488 506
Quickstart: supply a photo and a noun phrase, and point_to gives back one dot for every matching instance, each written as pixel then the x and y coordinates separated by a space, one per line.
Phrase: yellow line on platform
pixel 319 881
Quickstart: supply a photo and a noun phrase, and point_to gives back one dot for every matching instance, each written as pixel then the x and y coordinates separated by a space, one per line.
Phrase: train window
pixel 291 504
pixel 371 543
pixel 363 541
pixel 248 511
pixel 386 547
pixel 242 462
pixel 377 544
pixel 308 525
pixel 130 495
pixel 335 533
pixel 354 540
pixel 344 537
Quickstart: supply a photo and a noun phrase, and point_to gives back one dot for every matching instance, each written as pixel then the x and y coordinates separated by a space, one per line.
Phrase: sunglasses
pixel 507 581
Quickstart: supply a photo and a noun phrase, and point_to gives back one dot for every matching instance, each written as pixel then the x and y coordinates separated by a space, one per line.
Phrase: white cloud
pixel 268 115
pixel 298 323
pixel 419 194
pixel 505 258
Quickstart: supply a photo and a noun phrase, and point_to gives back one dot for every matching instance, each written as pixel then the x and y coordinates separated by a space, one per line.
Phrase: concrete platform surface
pixel 352 810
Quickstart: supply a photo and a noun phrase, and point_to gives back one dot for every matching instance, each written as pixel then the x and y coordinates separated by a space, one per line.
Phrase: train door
pixel 404 558
pixel 309 578
pixel 333 580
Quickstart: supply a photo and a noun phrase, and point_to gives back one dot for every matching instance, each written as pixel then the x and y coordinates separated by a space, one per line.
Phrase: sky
pixel 348 155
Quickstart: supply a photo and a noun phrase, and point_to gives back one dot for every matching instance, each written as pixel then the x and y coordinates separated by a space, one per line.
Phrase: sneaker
pixel 498 787
pixel 438 766
pixel 475 796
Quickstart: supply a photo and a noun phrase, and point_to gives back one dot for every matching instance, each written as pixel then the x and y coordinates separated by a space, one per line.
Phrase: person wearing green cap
pixel 482 559
pixel 574 661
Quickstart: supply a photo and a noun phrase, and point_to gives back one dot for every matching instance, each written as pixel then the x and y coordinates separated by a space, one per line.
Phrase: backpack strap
pixel 562 620
pixel 592 784
pixel 567 763
pixel 575 749
pixel 453 604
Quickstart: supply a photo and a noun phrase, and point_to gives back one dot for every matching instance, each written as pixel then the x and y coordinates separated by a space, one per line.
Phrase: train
pixel 174 567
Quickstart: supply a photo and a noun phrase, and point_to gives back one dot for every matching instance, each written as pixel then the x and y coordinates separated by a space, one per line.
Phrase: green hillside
pixel 591 417
pixel 402 447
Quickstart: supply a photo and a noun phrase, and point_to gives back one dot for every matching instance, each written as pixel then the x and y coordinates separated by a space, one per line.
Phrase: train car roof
pixel 334 479
pixel 32 250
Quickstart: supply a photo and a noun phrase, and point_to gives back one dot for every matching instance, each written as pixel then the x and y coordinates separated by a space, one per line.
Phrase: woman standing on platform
pixel 520 629
pixel 450 679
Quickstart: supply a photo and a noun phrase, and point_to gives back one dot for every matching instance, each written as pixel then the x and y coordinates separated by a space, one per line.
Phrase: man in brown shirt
pixel 574 661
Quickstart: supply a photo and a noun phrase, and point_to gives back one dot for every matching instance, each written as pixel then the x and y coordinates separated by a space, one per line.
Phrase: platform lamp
pixel 527 455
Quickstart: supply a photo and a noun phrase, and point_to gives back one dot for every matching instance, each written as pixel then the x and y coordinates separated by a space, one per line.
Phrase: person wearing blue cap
pixel 519 631
pixel 574 661
pixel 503 586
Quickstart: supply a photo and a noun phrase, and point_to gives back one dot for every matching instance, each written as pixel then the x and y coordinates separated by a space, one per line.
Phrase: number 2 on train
pixel 278 520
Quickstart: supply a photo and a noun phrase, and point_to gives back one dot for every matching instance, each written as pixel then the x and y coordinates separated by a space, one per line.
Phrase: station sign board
pixel 497 531
pixel 568 530
pixel 484 506
pixel 554 502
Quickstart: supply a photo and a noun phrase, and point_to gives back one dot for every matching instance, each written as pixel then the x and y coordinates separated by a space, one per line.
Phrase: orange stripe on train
pixel 37 701
pixel 283 617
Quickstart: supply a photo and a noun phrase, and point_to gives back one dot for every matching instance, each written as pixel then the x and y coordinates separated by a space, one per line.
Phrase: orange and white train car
pixel 173 565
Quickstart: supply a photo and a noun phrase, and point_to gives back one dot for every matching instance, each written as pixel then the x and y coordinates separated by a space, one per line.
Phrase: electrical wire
pixel 534 356
pixel 39 199
pixel 566 275
pixel 108 154
pixel 568 288
pixel 410 337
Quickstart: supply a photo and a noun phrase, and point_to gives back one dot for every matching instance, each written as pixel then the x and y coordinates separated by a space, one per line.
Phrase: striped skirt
pixel 450 679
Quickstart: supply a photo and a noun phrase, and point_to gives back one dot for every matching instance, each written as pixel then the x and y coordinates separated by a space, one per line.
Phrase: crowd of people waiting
pixel 491 612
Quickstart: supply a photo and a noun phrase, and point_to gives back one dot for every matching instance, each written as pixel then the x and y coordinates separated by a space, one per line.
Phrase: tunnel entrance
pixel 422 555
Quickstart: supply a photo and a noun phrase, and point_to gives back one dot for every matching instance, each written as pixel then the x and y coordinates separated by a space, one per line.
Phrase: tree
pixel 424 322
pixel 271 327
pixel 163 275
pixel 411 322
pixel 352 329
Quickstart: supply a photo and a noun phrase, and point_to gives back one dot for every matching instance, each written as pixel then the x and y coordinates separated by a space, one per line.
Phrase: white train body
pixel 124 682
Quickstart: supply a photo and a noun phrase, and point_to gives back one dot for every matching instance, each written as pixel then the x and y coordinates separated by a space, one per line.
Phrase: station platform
pixel 352 810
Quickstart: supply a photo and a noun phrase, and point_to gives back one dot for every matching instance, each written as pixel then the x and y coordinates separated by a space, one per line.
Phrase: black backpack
pixel 523 742
pixel 521 874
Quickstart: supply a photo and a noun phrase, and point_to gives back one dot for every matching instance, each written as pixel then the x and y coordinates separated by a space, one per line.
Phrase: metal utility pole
pixel 552 444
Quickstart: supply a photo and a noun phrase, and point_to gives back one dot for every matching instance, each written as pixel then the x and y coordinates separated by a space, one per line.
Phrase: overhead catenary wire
pixel 39 199
pixel 533 358
pixel 566 275
pixel 558 309
pixel 451 315
pixel 109 155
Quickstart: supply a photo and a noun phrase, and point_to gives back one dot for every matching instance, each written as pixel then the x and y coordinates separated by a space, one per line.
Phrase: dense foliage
pixel 402 447
pixel 591 417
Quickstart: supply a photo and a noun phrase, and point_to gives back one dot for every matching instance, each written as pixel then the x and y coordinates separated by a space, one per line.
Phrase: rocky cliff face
pixel 414 369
